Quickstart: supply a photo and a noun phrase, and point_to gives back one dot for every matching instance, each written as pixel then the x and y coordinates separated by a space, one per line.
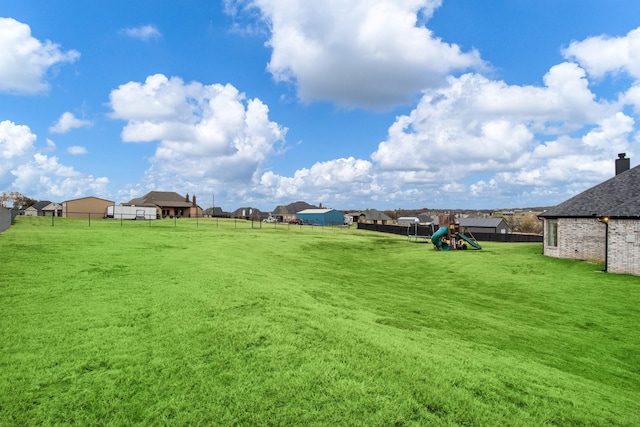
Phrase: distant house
pixel 85 207
pixel 168 204
pixel 44 208
pixel 249 213
pixel 424 219
pixel 31 211
pixel 373 216
pixel 285 213
pixel 211 212
pixel 52 209
pixel 321 216
pixel 601 223
pixel 485 225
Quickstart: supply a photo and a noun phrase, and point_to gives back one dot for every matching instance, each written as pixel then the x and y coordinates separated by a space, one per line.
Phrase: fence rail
pixel 426 230
pixel 91 219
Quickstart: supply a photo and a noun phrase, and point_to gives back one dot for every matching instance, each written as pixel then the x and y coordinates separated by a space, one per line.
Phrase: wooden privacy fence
pixel 6 217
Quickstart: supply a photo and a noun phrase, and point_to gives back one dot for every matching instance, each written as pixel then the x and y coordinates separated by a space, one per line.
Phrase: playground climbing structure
pixel 449 236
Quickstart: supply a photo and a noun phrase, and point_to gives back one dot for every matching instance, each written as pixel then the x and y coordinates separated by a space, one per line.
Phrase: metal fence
pixel 90 219
pixel 426 230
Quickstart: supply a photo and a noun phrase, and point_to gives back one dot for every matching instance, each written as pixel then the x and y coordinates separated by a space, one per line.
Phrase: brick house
pixel 168 204
pixel 372 216
pixel 599 224
pixel 44 208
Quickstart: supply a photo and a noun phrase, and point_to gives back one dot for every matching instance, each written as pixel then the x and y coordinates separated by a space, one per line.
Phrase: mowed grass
pixel 217 323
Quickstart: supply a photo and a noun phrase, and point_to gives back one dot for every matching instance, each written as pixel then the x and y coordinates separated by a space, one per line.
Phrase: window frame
pixel 552 233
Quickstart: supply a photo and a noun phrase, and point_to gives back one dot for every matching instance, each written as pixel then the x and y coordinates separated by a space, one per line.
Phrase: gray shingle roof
pixel 618 197
pixel 41 204
pixel 375 215
pixel 248 211
pixel 424 218
pixel 482 222
pixel 292 208
pixel 168 199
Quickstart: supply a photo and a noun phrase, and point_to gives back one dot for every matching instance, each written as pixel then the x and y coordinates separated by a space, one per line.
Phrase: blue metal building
pixel 321 216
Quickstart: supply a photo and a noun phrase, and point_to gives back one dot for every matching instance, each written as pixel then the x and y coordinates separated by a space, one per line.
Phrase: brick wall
pixel 581 238
pixel 624 246
pixel 578 238
pixel 584 238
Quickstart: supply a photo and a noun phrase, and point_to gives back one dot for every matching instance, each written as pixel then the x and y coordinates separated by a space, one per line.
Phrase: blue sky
pixel 361 104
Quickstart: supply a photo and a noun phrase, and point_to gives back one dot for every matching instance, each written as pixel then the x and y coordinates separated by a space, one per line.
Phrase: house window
pixel 552 232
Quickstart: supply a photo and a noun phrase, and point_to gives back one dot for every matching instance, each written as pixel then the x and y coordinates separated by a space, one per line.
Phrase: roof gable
pixel 246 211
pixel 375 215
pixel 39 205
pixel 424 218
pixel 292 208
pixel 615 197
pixel 87 198
pixel 52 206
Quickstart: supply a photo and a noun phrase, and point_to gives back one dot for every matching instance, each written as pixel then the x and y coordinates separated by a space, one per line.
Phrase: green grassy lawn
pixel 217 323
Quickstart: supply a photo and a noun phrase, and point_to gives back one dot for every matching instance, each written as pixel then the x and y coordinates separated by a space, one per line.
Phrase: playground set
pixel 449 237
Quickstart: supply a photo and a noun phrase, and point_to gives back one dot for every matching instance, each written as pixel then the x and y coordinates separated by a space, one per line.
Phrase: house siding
pixel 330 217
pixel 578 238
pixel 82 208
pixel 624 246
pixel 31 211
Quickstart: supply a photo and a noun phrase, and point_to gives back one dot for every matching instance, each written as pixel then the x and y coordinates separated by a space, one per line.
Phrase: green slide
pixel 469 240
pixel 435 239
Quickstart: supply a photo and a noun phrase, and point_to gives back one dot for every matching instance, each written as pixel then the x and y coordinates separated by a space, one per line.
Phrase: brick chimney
pixel 194 200
pixel 622 164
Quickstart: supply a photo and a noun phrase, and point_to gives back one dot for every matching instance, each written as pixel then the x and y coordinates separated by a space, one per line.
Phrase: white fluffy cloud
pixel 144 32
pixel 480 125
pixel 444 142
pixel 16 145
pixel 480 141
pixel 15 140
pixel 361 53
pixel 602 54
pixel 76 150
pixel 324 181
pixel 45 177
pixel 25 60
pixel 210 133
pixel 524 141
pixel 24 169
pixel 68 121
